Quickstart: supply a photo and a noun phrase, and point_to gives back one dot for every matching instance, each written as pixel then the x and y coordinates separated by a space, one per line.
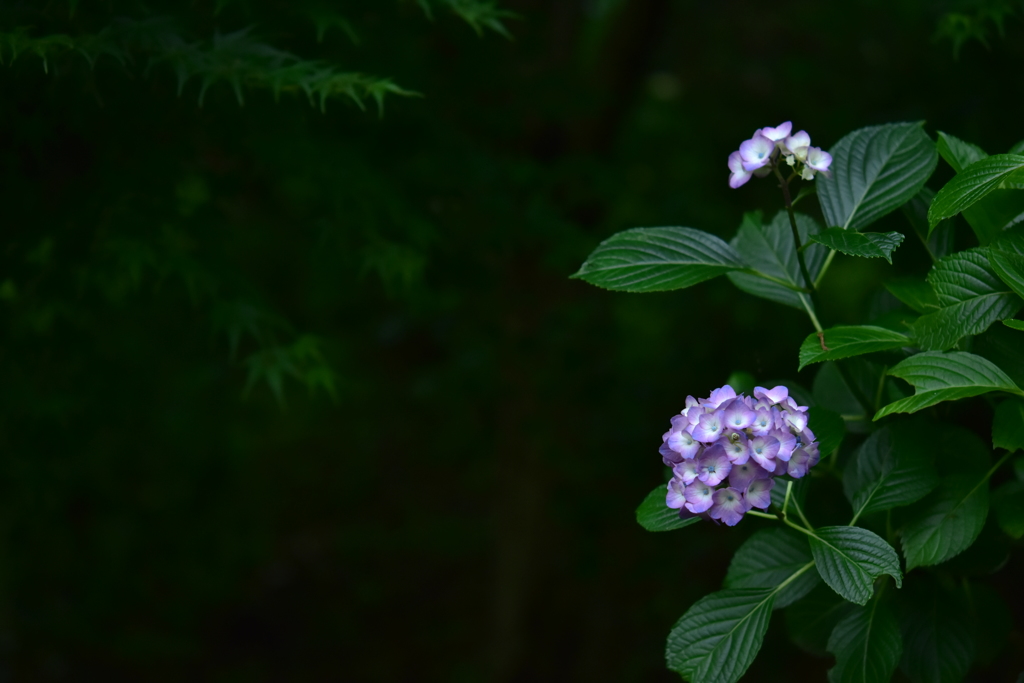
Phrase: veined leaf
pixel 1008 425
pixel 938 377
pixel 811 619
pixel 971 295
pixel 948 521
pixel 770 250
pixel 891 468
pixel 867 645
pixel 718 638
pixel 915 293
pixel 874 171
pixel 1014 324
pixel 828 426
pixel 938 242
pixel 938 645
pixel 658 259
pixel 957 153
pixel 654 515
pixel 1010 269
pixel 863 244
pixel 846 341
pixel 849 559
pixel 974 183
pixel 767 559
pixel 995 212
pixel 1008 503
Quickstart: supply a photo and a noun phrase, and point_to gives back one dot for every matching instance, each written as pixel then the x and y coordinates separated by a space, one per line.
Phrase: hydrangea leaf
pixel 875 170
pixel 658 259
pixel 938 377
pixel 1009 267
pixel 654 515
pixel 1008 503
pixel 867 644
pixel 938 241
pixel 768 558
pixel 891 468
pixel 998 210
pixel 1008 425
pixel 850 558
pixel 957 153
pixel 917 294
pixel 719 636
pixel 863 244
pixel 846 341
pixel 828 426
pixel 770 250
pixel 973 183
pixel 947 521
pixel 938 645
pixel 1014 324
pixel 811 619
pixel 972 297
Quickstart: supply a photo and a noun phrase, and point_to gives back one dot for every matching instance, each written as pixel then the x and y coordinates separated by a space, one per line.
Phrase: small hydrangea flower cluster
pixel 761 152
pixel 745 440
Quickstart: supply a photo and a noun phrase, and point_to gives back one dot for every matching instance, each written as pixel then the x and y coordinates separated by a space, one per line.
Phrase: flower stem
pixel 784 185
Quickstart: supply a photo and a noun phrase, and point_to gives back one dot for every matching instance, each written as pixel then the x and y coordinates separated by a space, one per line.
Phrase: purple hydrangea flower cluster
pixel 758 155
pixel 741 441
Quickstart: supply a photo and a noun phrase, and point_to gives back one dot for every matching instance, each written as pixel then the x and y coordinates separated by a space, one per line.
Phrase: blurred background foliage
pixel 295 386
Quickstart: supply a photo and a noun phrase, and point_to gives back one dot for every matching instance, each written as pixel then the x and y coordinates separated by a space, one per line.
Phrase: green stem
pixel 824 266
pixel 810 313
pixel 784 184
pixel 787 285
pixel 785 502
pixel 800 512
pixel 763 515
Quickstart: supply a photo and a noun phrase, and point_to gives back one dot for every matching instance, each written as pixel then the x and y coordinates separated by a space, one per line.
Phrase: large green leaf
pixel 846 341
pixel 849 559
pixel 974 183
pixel 1008 425
pixel 938 377
pixel 891 468
pixel 947 521
pixel 938 241
pixel 915 293
pixel 972 297
pixel 999 209
pixel 770 250
pixel 1014 324
pixel 811 619
pixel 768 558
pixel 1009 267
pixel 828 427
pixel 867 645
pixel 654 515
pixel 718 638
pixel 658 259
pixel 1008 504
pixel 863 244
pixel 957 153
pixel 874 171
pixel 938 645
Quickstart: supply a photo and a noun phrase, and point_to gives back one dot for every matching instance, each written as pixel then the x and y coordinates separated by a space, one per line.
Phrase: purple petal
pixel 714 465
pixel 739 179
pixel 687 471
pixel 699 497
pixel 763 422
pixel 721 395
pixel 675 498
pixel 729 506
pixel 797 420
pixel 681 442
pixel 818 160
pixel 797 144
pixel 669 456
pixel 709 426
pixel 758 493
pixel 775 395
pixel 801 462
pixel 742 475
pixel 738 415
pixel 736 448
pixel 780 132
pixel 787 442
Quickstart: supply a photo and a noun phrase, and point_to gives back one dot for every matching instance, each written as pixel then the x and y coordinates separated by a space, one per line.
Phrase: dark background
pixel 443 486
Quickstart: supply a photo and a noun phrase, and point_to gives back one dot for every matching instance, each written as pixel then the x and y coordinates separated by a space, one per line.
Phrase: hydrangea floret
pixel 767 147
pixel 726 450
